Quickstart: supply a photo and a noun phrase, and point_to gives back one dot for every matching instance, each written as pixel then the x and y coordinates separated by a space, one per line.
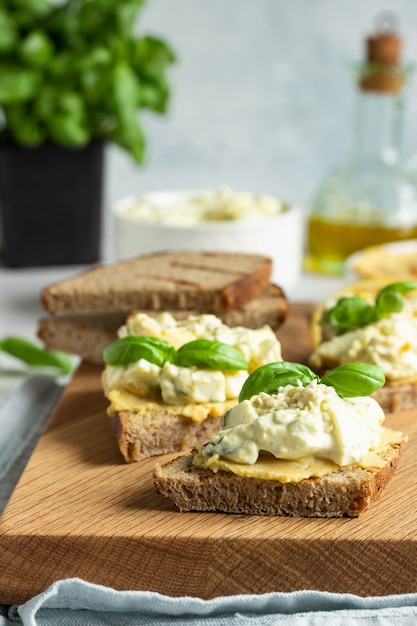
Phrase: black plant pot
pixel 50 204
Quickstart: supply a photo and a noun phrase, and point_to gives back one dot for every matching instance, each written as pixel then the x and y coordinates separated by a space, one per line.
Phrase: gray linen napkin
pixel 74 601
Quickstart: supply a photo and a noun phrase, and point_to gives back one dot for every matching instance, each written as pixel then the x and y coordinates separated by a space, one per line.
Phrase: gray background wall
pixel 263 99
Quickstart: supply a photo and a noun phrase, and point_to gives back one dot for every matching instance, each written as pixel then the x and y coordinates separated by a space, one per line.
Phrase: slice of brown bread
pixel 344 493
pixel 206 281
pixel 84 335
pixel 88 334
pixel 156 428
pixel 393 398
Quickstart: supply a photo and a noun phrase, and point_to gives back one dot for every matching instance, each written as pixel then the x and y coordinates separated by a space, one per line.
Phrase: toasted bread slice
pixel 343 493
pixel 88 334
pixel 156 428
pixel 204 281
pixel 394 398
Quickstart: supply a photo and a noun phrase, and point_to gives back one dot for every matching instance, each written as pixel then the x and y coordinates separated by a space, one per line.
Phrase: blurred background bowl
pixel 159 221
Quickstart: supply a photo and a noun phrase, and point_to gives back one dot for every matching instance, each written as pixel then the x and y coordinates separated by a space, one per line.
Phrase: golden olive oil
pixel 329 243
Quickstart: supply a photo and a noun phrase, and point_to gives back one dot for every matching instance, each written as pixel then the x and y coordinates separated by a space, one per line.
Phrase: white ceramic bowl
pixel 279 236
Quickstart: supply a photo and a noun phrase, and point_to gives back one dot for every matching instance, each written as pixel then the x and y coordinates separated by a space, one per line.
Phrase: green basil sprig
pixel 73 71
pixel 199 353
pixel 134 347
pixel 355 379
pixel 349 380
pixel 213 354
pixel 354 312
pixel 36 356
pixel 269 377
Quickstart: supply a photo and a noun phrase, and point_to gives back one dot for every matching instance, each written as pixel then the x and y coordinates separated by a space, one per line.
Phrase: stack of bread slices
pixel 88 309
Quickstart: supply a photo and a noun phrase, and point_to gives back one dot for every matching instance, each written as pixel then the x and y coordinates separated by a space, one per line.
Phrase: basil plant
pixel 75 71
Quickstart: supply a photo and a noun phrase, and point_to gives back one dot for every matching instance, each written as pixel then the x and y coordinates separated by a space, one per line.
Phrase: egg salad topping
pixel 390 343
pixel 259 346
pixel 179 385
pixel 294 424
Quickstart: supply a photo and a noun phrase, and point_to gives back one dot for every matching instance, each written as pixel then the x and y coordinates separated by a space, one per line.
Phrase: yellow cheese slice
pixel 125 400
pixel 268 467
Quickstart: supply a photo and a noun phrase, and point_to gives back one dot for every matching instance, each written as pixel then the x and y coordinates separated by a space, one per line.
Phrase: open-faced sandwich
pixel 376 326
pixel 170 381
pixel 295 445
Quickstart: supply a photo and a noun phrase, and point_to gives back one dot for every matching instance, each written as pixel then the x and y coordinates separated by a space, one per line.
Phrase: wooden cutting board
pixel 79 510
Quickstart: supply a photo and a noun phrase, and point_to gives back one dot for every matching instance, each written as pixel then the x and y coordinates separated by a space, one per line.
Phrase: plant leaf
pixel 268 378
pixel 36 49
pixel 390 300
pixel 33 355
pixel 134 347
pixel 213 354
pixel 27 129
pixel 8 32
pixel 354 312
pixel 17 84
pixel 355 379
pixel 350 312
pixel 90 49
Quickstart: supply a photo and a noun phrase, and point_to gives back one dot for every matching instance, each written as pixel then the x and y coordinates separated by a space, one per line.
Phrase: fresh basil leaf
pixel 126 15
pixel 27 130
pixel 91 49
pixel 213 354
pixel 29 10
pixel 33 355
pixel 67 130
pixel 389 302
pixel 268 378
pixel 401 287
pixel 17 84
pixel 134 347
pixel 355 379
pixel 389 299
pixel 152 50
pixel 36 49
pixel 8 32
pixel 354 312
pixel 350 312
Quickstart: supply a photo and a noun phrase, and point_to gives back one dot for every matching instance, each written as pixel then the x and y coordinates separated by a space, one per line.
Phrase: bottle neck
pixel 378 127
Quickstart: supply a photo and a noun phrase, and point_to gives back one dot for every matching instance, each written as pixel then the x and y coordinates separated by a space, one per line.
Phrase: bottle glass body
pixel 369 199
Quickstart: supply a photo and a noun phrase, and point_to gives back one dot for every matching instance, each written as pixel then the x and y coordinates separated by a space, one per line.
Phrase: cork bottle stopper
pixel 383 71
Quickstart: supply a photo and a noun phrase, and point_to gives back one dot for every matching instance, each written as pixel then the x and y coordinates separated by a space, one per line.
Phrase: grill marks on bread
pixel 204 281
pixel 87 334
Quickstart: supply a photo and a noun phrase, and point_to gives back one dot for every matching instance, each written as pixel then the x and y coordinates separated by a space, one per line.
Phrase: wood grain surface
pixel 79 510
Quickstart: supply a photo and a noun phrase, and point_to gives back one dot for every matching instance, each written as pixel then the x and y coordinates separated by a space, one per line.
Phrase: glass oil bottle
pixel 371 198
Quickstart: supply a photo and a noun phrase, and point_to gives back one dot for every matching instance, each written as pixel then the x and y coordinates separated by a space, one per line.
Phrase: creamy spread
pixel 259 346
pixel 390 343
pixel 223 204
pixel 181 385
pixel 311 425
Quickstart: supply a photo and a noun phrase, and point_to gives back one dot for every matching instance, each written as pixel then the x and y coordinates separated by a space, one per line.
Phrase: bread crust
pixel 88 334
pixel 394 398
pixel 345 493
pixel 391 397
pixel 206 281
